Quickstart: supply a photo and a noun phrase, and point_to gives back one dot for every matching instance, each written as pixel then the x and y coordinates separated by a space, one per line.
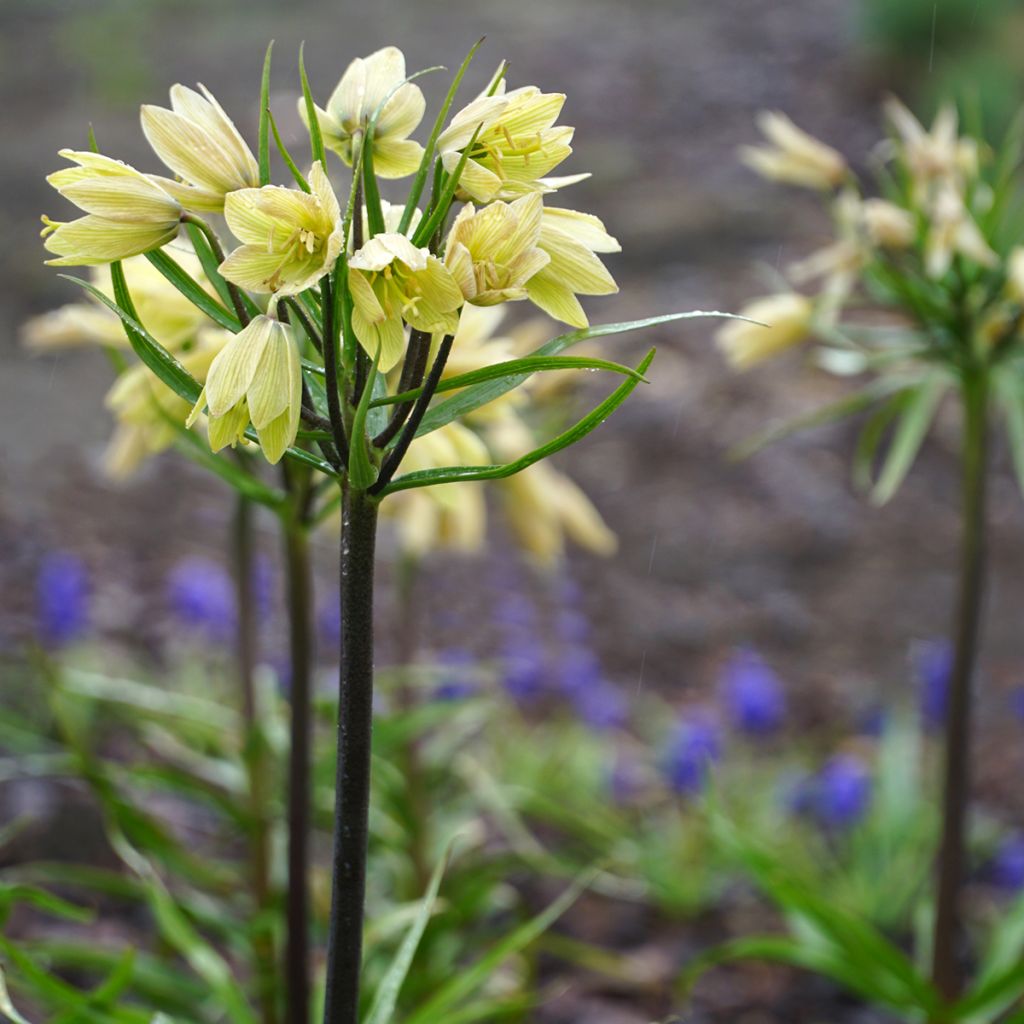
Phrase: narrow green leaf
pixel 192 290
pixel 871 437
pixel 361 471
pixel 316 141
pixel 264 137
pixel 428 152
pixel 1008 386
pixel 377 415
pixel 917 417
pixel 473 398
pixel 371 193
pixel 209 262
pixel 299 177
pixel 436 217
pixel 230 471
pixel 6 1005
pixel 391 984
pixel 512 367
pixel 470 979
pixel 458 474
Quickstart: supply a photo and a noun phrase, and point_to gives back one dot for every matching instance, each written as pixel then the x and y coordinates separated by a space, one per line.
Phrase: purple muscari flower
pixel 1006 868
pixel 1017 702
pixel 516 615
pixel 62 599
pixel 693 746
pixel 842 791
pixel 579 672
pixel 457 670
pixel 524 678
pixel 601 706
pixel 201 595
pixel 933 665
pixel 753 694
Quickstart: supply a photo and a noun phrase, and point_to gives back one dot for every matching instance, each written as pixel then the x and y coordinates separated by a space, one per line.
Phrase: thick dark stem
pixel 254 750
pixel 300 603
pixel 413 369
pixel 352 792
pixel 394 458
pixel 952 859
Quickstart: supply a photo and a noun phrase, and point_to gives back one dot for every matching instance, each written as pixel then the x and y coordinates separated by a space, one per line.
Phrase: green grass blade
pixel 316 141
pixel 192 290
pixel 299 177
pixel 361 471
pixel 264 135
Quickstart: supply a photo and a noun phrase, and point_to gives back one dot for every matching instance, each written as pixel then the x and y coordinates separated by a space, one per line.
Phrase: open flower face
pixel 368 82
pixel 787 317
pixel 290 238
pixel 126 212
pixel 517 145
pixel 395 283
pixel 257 376
pixel 199 142
pixel 493 252
pixel 794 156
pixel 570 239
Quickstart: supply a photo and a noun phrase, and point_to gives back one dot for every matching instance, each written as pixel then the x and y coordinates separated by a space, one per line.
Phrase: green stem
pixel 300 604
pixel 946 974
pixel 254 753
pixel 352 785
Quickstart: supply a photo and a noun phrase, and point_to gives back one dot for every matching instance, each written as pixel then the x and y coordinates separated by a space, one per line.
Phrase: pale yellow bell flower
pixel 256 377
pixel 1015 274
pixel 394 283
pixel 951 231
pixel 517 145
pixel 887 225
pixel 367 82
pixel 493 252
pixel 571 239
pixel 290 238
pixel 162 309
pixel 198 141
pixel 149 414
pixel 544 507
pixel 788 319
pixel 449 516
pixel 127 213
pixel 793 156
pixel 935 154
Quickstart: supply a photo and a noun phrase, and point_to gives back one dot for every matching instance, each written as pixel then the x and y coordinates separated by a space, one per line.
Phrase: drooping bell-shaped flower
pixel 368 82
pixel 256 377
pixel 127 213
pixel 783 321
pixel 793 156
pixel 517 145
pixel 290 238
pixel 198 141
pixel 395 283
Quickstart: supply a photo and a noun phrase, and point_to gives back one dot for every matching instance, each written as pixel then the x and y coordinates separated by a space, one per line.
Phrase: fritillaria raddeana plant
pixel 337 320
pixel 931 250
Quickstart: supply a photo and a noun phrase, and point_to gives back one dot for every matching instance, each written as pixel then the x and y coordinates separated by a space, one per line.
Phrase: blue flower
pixel 933 666
pixel 694 745
pixel 458 668
pixel 601 706
pixel 525 677
pixel 1006 868
pixel 753 694
pixel 62 599
pixel 201 596
pixel 842 791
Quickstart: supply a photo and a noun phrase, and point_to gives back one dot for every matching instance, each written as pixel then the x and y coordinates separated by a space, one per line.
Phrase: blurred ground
pixel 778 550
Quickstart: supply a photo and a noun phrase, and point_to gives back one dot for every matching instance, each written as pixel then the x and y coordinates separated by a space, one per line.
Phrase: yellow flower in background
pixel 951 231
pixel 127 213
pixel 149 414
pixel 290 238
pixel 166 313
pixel 257 376
pixel 793 156
pixel 492 253
pixel 452 516
pixel 395 283
pixel 517 146
pixel 544 507
pixel 935 154
pixel 1015 274
pixel 887 225
pixel 199 142
pixel 788 319
pixel 570 239
pixel 367 82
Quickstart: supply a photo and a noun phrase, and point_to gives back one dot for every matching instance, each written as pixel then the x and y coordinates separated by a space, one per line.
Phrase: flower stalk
pixel 946 974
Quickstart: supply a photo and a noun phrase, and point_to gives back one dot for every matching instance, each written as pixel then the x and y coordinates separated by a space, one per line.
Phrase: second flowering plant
pixel 338 314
